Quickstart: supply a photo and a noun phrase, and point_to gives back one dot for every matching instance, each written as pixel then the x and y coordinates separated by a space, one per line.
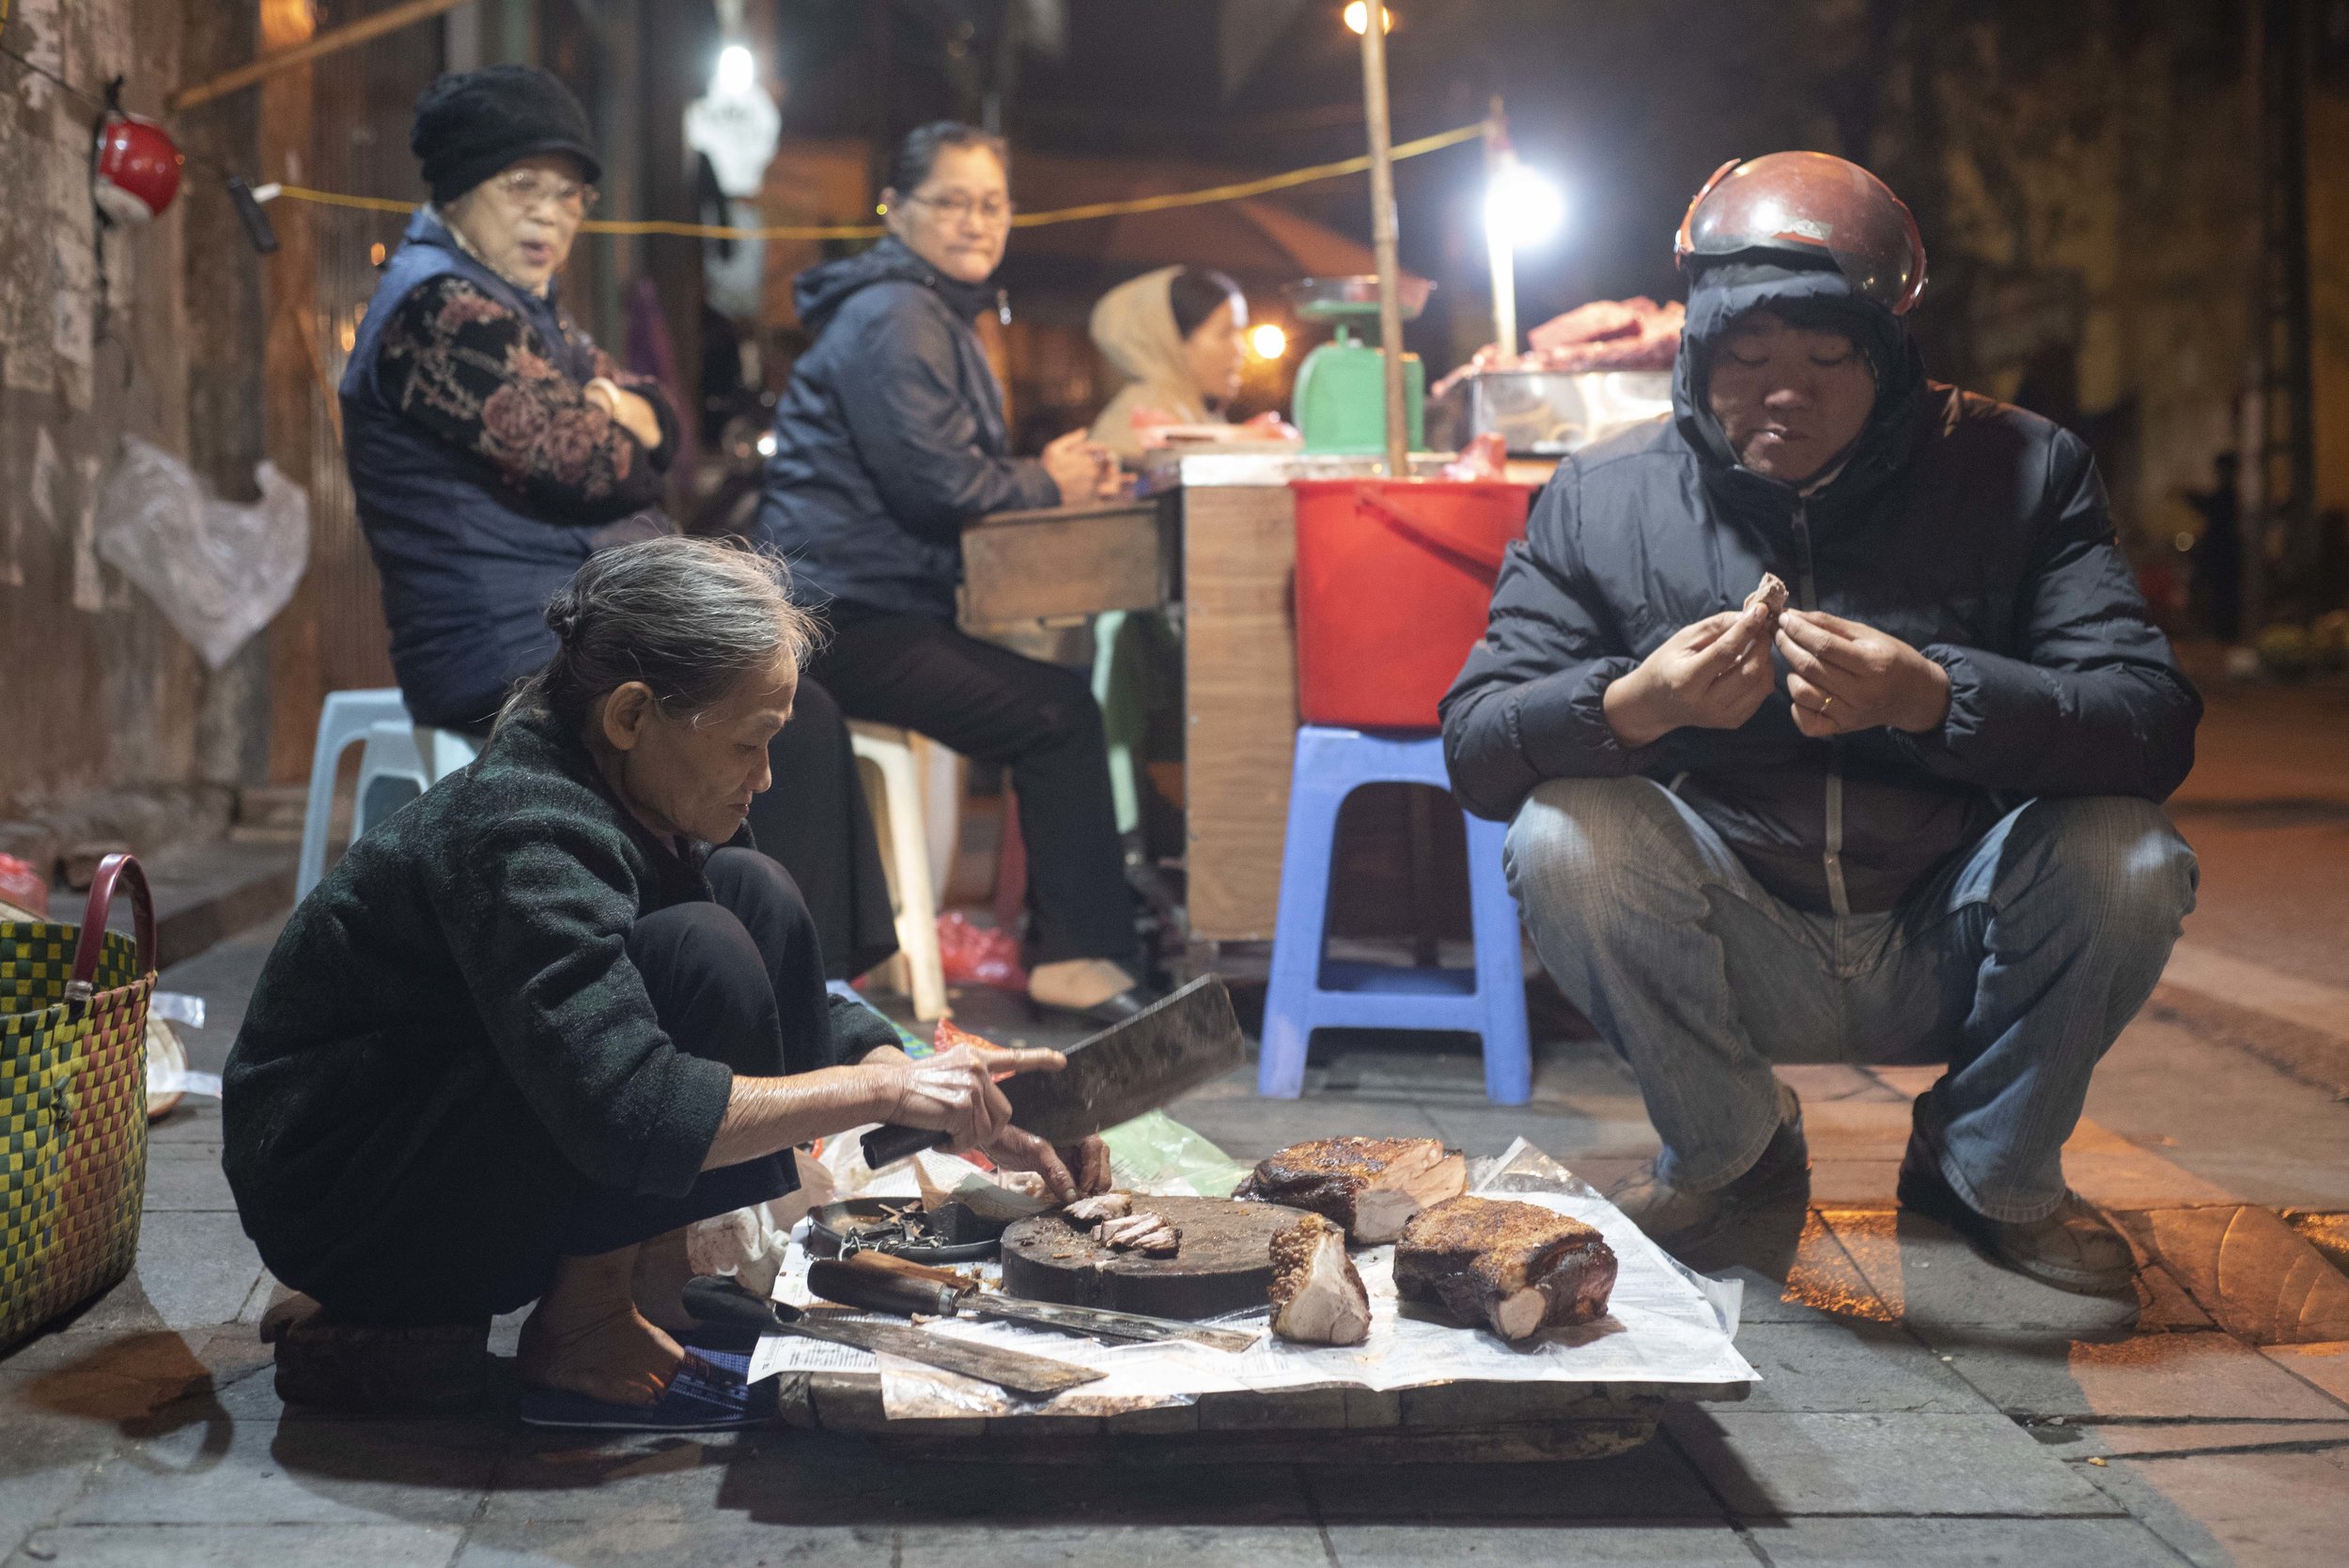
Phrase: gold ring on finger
pixel 1826 703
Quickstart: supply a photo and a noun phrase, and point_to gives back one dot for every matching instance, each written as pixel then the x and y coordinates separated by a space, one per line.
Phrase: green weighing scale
pixel 1340 404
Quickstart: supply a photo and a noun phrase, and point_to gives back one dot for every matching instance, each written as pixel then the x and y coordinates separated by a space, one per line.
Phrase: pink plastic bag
pixel 23 884
pixel 978 955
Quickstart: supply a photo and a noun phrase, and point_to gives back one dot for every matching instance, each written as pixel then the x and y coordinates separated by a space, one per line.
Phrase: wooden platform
pixel 1452 1422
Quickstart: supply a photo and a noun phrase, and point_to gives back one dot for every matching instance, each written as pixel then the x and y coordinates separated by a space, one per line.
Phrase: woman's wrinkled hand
pixel 1076 1171
pixel 954 1092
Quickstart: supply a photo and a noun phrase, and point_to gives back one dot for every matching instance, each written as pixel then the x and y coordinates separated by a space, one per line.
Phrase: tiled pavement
pixel 1917 1407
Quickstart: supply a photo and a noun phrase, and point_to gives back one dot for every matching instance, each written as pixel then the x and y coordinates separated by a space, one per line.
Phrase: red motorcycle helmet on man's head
pixel 1815 203
pixel 138 169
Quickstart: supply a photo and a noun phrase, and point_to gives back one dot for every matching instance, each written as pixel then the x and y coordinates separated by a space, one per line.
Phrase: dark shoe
pixel 1102 1015
pixel 1679 1220
pixel 2073 1248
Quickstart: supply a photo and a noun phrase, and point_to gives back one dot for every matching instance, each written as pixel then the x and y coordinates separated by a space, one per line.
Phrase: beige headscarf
pixel 1134 327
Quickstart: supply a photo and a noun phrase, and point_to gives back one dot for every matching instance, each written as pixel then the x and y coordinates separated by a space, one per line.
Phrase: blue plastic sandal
pixel 710 1393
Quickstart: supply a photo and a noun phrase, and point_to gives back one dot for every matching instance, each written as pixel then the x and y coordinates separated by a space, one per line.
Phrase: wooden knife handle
pixel 887 1145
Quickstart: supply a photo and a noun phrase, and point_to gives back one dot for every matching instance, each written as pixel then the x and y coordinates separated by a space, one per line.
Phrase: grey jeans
pixel 2017 964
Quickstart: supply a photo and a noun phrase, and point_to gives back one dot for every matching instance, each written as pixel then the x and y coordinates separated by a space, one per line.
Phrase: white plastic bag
pixel 219 571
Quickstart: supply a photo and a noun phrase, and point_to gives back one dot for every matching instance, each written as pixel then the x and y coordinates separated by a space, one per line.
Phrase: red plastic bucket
pixel 1394 582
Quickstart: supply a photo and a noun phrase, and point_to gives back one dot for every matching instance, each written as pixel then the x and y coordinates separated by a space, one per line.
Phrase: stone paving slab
pixel 208 1468
pixel 1587 1543
pixel 240 1545
pixel 2325 1365
pixel 719 1541
pixel 2237 1511
pixel 1160 1545
pixel 2188 1439
pixel 1850 1367
pixel 2254 1274
pixel 2200 1375
pixel 1960 1543
pixel 1651 1482
pixel 1932 1279
pixel 1784 1463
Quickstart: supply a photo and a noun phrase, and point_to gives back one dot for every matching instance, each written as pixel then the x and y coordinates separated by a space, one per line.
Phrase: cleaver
pixel 1169 1048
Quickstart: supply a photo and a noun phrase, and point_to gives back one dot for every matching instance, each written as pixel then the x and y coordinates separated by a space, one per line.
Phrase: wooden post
pixel 1382 233
pixel 1499 249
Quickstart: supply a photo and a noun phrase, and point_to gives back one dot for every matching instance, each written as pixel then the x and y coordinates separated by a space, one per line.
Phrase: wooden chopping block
pixel 1226 1264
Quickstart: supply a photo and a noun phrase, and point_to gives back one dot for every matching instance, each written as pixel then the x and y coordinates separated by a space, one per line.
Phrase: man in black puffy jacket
pixel 1913 818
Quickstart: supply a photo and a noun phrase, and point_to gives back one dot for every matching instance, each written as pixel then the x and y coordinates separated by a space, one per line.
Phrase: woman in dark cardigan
pixel 493 446
pixel 534 1025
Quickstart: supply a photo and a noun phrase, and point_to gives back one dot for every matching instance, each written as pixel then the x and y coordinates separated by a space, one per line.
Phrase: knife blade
pixel 877 1290
pixel 1171 1046
pixel 714 1298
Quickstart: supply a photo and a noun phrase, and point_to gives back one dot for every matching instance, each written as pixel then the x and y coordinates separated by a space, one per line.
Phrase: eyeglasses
pixel 527 188
pixel 993 211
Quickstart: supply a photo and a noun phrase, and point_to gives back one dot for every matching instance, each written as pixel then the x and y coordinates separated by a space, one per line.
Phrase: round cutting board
pixel 1226 1264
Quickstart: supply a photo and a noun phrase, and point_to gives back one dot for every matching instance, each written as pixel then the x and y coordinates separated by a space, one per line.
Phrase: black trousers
pixel 1037 719
pixel 741 981
pixel 813 818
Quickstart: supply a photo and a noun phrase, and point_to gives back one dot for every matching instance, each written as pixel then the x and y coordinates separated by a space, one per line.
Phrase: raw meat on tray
pixel 1515 1267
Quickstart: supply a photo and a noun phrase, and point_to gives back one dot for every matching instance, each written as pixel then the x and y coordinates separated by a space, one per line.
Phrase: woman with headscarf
pixel 889 440
pixel 1179 336
pixel 494 447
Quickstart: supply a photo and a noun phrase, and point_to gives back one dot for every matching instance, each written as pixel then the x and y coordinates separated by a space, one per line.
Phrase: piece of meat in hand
pixel 1368 1186
pixel 1771 595
pixel 1317 1298
pixel 1141 1232
pixel 1092 1211
pixel 1515 1267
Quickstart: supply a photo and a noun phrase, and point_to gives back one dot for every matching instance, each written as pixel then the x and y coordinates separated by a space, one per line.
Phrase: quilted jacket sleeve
pixel 2093 702
pixel 1527 705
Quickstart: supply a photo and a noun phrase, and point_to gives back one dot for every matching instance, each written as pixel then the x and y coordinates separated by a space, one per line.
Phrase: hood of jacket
pixel 1721 293
pixel 1134 327
pixel 823 288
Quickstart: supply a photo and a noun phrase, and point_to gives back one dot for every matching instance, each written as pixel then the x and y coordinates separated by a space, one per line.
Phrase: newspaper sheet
pixel 1664 1325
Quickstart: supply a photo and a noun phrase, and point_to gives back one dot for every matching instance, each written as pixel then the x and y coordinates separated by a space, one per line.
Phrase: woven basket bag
pixel 72 1103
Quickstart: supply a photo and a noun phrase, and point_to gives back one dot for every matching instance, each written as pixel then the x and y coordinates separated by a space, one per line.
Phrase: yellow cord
pixel 1238 191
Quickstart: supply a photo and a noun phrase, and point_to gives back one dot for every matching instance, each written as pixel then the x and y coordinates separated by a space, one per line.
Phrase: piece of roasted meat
pixel 1317 1298
pixel 1770 594
pixel 1139 1232
pixel 1515 1267
pixel 1092 1211
pixel 1367 1185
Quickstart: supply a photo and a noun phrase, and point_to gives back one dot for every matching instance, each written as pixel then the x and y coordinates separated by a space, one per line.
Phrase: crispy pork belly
pixel 1317 1298
pixel 1369 1187
pixel 1517 1267
pixel 1772 593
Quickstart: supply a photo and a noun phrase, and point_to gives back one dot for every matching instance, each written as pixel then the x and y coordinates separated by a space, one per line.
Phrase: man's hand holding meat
pixel 1712 675
pixel 1844 677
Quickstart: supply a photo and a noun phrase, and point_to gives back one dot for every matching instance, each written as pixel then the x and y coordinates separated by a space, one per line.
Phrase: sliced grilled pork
pixel 1092 1211
pixel 1142 1231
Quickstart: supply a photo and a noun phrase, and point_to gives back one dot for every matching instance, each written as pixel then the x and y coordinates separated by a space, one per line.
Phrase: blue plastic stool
pixel 400 762
pixel 1309 992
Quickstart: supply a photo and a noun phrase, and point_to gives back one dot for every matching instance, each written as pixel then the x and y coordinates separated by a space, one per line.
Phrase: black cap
pixel 471 124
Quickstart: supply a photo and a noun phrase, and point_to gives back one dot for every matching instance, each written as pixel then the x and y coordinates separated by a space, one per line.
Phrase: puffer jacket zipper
pixel 1831 856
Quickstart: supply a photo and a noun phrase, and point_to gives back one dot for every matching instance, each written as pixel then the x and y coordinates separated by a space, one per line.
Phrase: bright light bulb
pixel 1521 208
pixel 736 71
pixel 1357 18
pixel 1268 341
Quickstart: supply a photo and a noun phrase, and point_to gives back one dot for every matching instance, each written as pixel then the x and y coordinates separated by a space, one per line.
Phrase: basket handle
pixel 1482 553
pixel 101 897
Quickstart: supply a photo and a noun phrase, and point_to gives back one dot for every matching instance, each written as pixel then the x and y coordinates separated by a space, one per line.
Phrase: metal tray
pixel 830 1229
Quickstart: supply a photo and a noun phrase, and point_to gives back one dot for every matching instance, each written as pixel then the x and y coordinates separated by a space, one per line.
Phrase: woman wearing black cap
pixel 494 447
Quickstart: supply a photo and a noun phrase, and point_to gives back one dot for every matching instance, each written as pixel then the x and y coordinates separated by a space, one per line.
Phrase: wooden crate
pixel 1064 563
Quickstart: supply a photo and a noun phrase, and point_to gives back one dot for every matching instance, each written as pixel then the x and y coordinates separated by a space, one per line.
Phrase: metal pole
pixel 328 43
pixel 1382 233
pixel 1499 249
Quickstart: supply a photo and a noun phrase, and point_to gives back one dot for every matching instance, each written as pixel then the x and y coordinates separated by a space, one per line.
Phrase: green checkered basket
pixel 72 1103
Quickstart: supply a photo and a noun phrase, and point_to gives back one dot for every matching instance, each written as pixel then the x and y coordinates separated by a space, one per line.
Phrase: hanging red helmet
pixel 1809 202
pixel 138 169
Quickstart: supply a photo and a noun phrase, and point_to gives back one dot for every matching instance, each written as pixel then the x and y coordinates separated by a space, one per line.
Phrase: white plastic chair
pixel 894 786
pixel 401 760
